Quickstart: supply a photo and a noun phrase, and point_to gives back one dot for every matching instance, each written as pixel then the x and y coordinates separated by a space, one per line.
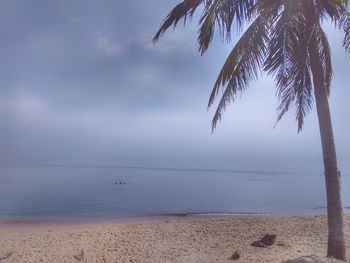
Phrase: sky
pixel 82 84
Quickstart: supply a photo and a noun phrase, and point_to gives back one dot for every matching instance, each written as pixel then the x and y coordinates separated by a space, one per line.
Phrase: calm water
pixel 58 192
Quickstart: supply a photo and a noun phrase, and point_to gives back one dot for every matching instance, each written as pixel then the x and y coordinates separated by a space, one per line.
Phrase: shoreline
pixel 37 222
pixel 181 240
pixel 139 218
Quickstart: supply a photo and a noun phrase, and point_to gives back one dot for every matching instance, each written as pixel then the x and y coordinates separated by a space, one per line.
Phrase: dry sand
pixel 181 240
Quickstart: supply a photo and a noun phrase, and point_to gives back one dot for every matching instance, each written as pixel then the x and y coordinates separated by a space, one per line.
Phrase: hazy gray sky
pixel 81 83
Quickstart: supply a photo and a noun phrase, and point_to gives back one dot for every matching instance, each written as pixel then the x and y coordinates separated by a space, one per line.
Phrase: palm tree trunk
pixel 336 242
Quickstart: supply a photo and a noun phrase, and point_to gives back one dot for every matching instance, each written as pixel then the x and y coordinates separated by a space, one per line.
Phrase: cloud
pixel 178 40
pixel 105 45
pixel 23 103
pixel 182 40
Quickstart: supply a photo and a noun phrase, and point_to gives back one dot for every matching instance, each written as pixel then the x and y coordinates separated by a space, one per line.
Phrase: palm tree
pixel 285 39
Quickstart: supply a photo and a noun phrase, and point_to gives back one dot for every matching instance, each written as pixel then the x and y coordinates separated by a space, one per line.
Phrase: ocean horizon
pixel 44 192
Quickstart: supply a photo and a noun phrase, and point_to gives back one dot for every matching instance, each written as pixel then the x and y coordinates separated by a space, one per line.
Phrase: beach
pixel 180 240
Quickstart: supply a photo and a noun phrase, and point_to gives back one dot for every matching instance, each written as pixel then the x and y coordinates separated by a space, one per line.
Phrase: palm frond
pixel 273 6
pixel 344 24
pixel 216 12
pixel 222 13
pixel 329 8
pixel 241 66
pixel 303 86
pixel 208 21
pixel 325 55
pixel 277 40
pixel 289 62
pixel 183 10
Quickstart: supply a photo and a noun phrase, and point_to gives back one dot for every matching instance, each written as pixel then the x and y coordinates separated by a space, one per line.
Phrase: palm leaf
pixel 344 24
pixel 241 66
pixel 216 12
pixel 329 8
pixel 179 12
pixel 277 40
pixel 325 55
pixel 302 85
pixel 289 62
pixel 208 21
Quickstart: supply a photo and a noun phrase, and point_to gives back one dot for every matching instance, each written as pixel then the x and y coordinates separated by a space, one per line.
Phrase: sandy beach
pixel 175 240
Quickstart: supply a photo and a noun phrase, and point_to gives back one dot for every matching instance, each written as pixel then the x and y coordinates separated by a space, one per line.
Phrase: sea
pixel 88 192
